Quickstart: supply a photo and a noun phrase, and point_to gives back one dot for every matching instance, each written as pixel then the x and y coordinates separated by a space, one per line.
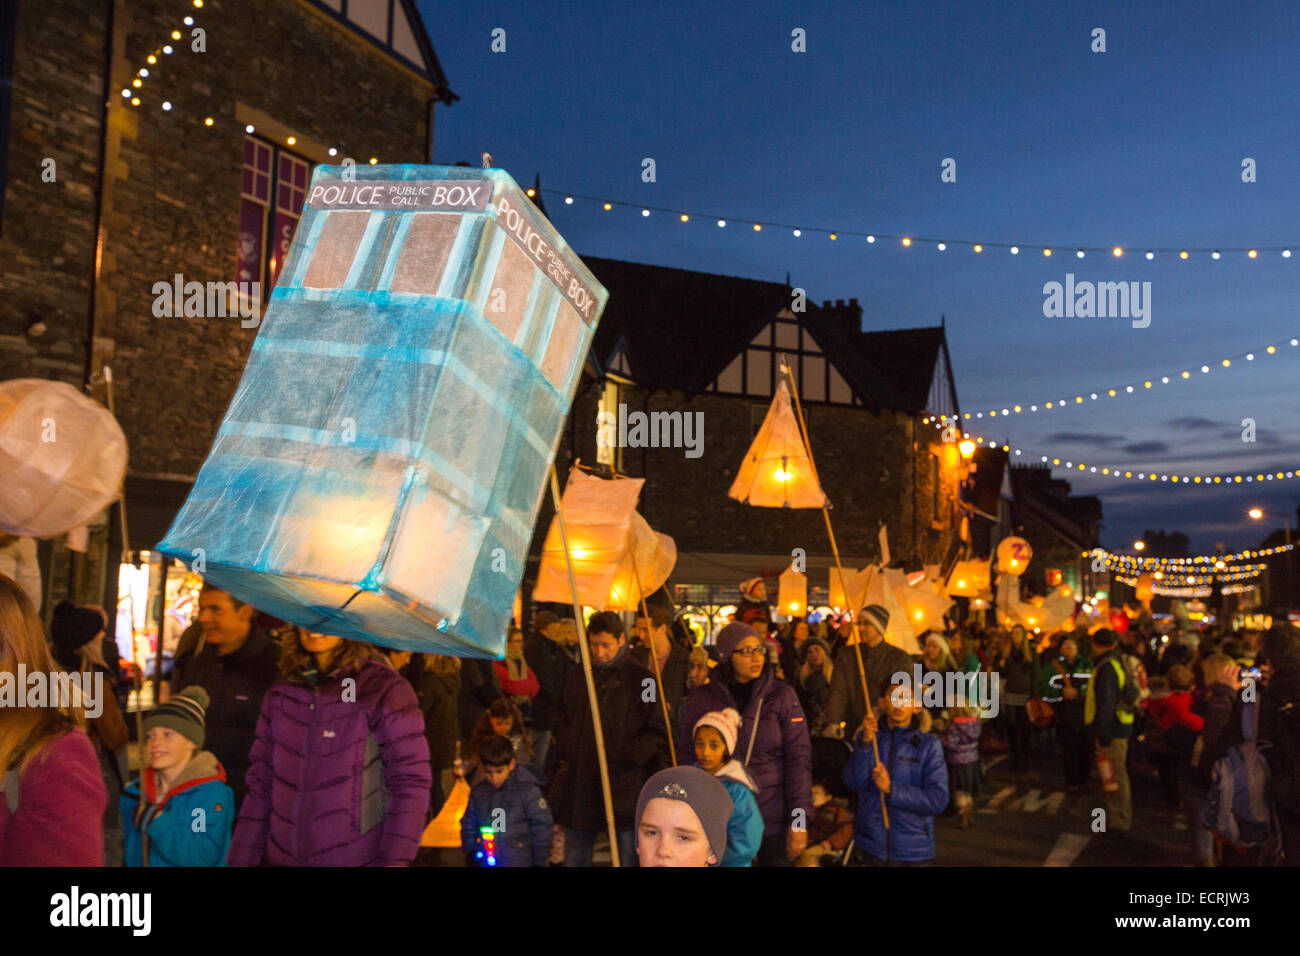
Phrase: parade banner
pixel 379 472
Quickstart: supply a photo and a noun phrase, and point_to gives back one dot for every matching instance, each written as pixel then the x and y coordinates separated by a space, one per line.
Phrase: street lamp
pixel 1139 545
pixel 1256 514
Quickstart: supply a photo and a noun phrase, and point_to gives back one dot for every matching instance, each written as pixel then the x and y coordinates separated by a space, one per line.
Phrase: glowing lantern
pixel 1119 621
pixel 778 471
pixel 62 458
pixel 793 595
pixel 1143 588
pixel 645 567
pixel 1014 555
pixel 598 518
pixel 969 578
pixel 413 371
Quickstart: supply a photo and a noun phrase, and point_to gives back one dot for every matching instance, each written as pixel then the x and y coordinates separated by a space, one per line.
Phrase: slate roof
pixel 679 330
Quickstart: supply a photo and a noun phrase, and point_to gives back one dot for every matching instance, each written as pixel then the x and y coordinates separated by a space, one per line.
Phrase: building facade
pixel 152 144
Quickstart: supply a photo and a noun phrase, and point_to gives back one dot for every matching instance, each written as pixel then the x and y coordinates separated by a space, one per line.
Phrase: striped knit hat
pixel 183 713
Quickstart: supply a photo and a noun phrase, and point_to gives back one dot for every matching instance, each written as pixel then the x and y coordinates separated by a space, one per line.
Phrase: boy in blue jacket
pixel 509 805
pixel 187 815
pixel 715 741
pixel 911 775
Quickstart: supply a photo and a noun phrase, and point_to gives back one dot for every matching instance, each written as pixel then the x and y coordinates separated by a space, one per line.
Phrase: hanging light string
pixel 1188 581
pixel 1114 471
pixel 1237 589
pixel 1076 250
pixel 132 93
pixel 1133 388
pixel 1188 563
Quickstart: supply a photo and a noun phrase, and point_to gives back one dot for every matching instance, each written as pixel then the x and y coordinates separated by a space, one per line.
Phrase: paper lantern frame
pixel 380 468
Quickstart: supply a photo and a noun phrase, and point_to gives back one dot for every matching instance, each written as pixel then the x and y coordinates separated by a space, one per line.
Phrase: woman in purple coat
pixel 339 772
pixel 773 743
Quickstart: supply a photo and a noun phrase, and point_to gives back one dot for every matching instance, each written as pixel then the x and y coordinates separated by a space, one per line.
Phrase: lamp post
pixel 1258 513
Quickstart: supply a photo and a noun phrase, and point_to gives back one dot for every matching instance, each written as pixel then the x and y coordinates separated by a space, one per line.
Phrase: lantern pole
pixel 853 621
pixel 124 558
pixel 654 657
pixel 585 651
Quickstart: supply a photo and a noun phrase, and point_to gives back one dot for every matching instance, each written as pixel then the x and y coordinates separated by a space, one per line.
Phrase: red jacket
pixel 61 800
pixel 1175 710
pixel 528 687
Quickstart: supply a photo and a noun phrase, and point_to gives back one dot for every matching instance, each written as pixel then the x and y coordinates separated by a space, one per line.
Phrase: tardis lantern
pixel 379 471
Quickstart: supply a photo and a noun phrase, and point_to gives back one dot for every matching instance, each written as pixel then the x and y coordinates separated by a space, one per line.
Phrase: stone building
pixel 145 140
pixel 692 344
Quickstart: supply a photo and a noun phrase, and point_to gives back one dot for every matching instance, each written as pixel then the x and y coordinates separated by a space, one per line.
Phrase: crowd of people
pixel 752 746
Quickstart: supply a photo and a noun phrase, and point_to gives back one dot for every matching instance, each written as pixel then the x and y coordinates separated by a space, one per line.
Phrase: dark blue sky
pixel 1055 145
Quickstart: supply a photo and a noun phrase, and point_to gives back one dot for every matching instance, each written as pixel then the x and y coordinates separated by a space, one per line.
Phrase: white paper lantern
pixel 62 458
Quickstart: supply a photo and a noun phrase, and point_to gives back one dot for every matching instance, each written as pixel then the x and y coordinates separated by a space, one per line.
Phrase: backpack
pixel 1240 810
pixel 1134 689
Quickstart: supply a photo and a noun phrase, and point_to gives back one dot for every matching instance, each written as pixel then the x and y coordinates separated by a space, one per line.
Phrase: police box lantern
pixel 379 471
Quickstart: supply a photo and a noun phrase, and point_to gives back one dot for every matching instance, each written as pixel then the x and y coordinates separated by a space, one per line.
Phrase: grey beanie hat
pixel 698 790
pixel 876 615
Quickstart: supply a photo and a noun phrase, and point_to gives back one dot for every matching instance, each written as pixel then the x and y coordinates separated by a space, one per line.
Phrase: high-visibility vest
pixel 1090 698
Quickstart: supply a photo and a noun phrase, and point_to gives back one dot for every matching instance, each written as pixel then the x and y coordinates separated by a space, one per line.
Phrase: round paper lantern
pixel 1118 621
pixel 1143 588
pixel 62 458
pixel 1014 555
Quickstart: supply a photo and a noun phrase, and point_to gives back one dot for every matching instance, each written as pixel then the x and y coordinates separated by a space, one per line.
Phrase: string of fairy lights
pixel 754 225
pixel 1134 388
pixel 1132 562
pixel 1114 471
pixel 132 93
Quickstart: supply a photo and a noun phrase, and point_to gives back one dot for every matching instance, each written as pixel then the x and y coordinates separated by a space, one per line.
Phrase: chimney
pixel 839 303
pixel 826 303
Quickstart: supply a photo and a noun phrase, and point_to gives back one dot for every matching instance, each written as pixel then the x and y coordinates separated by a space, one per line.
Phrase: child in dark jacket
pixel 507 821
pixel 910 778
pixel 183 784
pixel 961 751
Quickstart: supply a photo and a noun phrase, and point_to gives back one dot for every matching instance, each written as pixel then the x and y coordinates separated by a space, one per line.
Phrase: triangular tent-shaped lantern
pixel 778 471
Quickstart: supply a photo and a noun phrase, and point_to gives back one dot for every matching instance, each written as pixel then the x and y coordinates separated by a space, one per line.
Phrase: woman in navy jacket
pixel 773 742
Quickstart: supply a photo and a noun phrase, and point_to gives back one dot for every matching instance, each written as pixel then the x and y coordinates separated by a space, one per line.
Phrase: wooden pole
pixel 654 657
pixel 853 620
pixel 585 651
pixel 124 558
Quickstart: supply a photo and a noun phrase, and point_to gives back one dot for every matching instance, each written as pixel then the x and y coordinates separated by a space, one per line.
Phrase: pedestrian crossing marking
pixel 1067 849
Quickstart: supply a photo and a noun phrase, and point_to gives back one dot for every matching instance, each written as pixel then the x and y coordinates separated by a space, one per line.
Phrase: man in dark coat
pixel 881 660
pixel 478 688
pixel 674 660
pixel 636 744
pixel 236 663
pixel 550 656
pixel 773 742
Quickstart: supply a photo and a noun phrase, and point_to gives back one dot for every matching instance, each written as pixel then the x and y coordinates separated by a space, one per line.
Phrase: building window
pixel 272 190
pixel 935 513
pixel 608 451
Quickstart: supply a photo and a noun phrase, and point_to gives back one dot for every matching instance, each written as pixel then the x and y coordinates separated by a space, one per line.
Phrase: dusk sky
pixel 1140 146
